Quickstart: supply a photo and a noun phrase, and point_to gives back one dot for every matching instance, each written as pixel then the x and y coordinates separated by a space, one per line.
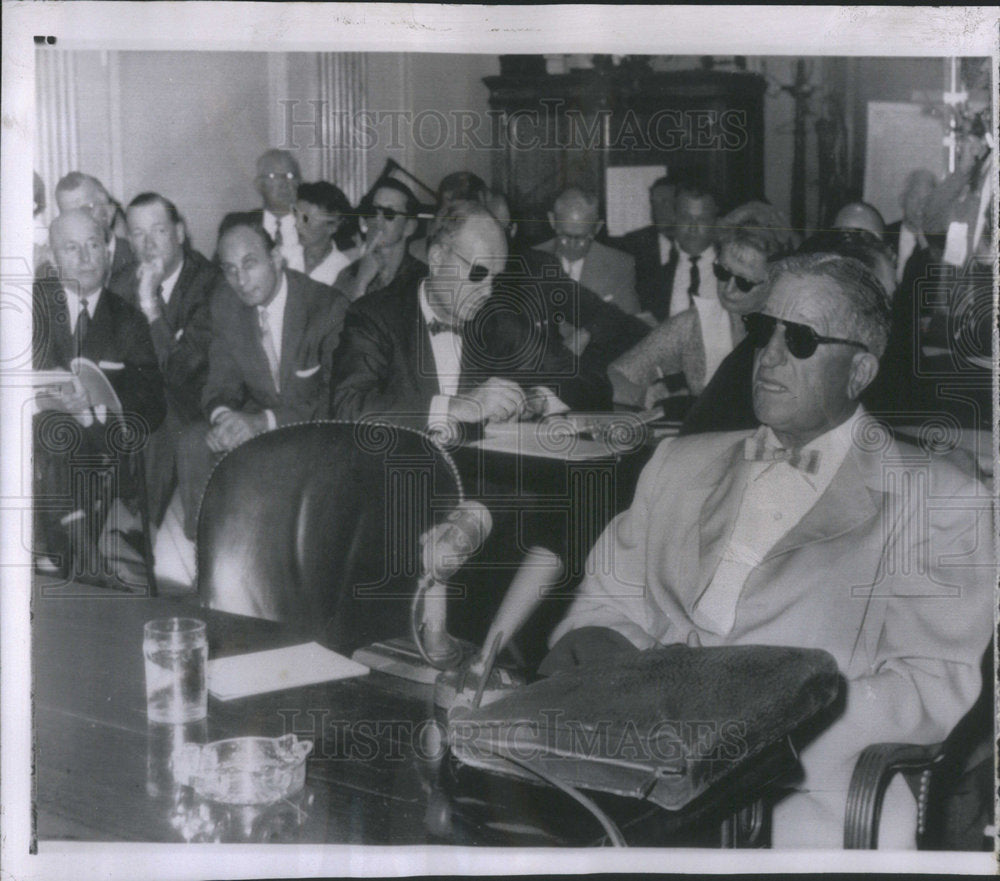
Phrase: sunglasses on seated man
pixel 800 339
pixel 477 272
pixel 722 274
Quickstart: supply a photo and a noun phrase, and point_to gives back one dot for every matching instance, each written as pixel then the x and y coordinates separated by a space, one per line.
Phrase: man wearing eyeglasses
pixel 277 180
pixel 607 272
pixel 808 531
pixel 432 352
pixel 388 221
pixel 78 190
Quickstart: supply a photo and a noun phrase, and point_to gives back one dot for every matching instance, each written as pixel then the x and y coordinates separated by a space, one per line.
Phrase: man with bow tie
pixel 457 345
pixel 78 444
pixel 274 331
pixel 815 530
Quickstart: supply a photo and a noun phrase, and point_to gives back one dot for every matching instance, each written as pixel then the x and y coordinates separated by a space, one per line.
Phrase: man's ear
pixel 598 226
pixel 864 369
pixel 410 228
pixel 181 233
pixel 434 255
pixel 552 219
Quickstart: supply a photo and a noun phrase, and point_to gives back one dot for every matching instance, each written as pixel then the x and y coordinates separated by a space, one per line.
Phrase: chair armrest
pixel 875 768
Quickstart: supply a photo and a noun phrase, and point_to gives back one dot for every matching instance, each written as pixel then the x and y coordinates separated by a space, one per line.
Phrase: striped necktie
pixel 267 342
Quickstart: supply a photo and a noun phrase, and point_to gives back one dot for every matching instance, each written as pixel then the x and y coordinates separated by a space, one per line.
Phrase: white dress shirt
pixel 447 350
pixel 290 247
pixel 574 268
pixel 276 322
pixel 327 270
pixel 716 332
pixel 776 497
pixel 907 244
pixel 679 300
pixel 170 282
pixel 74 305
pixel 666 246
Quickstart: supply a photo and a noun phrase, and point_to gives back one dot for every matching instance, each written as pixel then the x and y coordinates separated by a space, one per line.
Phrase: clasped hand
pixel 231 429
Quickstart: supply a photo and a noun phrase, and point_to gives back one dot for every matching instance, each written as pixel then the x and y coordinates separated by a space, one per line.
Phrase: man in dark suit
pixel 277 180
pixel 78 190
pixel 170 284
pixel 683 267
pixel 607 272
pixel 274 331
pixel 906 235
pixel 76 316
pixel 457 345
pixel 652 247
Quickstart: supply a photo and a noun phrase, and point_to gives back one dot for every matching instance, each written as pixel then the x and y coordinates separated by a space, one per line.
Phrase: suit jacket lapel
pixel 100 339
pixel 292 331
pixel 418 356
pixel 847 503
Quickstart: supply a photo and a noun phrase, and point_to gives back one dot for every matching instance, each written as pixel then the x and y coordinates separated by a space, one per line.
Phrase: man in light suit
pixel 809 531
pixel 277 180
pixel 274 332
pixel 76 316
pixel 607 272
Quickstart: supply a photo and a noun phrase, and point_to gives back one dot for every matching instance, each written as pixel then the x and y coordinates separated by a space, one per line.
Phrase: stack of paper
pixel 278 669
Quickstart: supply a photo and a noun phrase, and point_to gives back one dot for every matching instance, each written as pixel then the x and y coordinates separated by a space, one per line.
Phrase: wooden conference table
pixel 378 773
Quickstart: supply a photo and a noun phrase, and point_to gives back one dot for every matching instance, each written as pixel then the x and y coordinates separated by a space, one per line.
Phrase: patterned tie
pixel 278 240
pixel 267 342
pixel 82 326
pixel 695 278
pixel 755 449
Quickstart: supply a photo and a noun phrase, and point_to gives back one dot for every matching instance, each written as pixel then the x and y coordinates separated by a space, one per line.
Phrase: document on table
pixel 278 669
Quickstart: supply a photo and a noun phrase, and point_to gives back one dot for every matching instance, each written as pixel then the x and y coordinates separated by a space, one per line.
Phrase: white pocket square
pixel 305 374
pixel 111 365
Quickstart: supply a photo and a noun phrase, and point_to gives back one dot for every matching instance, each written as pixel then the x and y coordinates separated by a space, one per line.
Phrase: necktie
pixel 695 278
pixel 82 326
pixel 756 450
pixel 267 342
pixel 278 239
pixel 668 271
pixel 436 327
pixel 161 304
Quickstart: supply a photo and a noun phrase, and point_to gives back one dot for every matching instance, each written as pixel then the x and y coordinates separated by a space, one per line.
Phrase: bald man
pixel 277 180
pixel 860 215
pixel 78 190
pixel 77 316
pixel 608 272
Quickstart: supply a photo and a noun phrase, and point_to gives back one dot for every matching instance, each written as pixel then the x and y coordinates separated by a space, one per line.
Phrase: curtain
pixel 56 140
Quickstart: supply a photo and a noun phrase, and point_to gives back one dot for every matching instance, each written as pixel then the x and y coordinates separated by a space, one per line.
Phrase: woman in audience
pixel 321 212
pixel 683 346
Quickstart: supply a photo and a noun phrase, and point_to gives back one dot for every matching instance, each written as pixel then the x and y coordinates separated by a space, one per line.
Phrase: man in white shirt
pixel 811 531
pixel 607 272
pixel 695 232
pixel 277 180
pixel 77 452
pixel 274 331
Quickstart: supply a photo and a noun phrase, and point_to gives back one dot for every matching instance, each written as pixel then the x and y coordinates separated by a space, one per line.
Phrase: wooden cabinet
pixel 556 131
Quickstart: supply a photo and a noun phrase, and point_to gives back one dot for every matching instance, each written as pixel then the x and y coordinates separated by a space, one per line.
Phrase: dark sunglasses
pixel 723 275
pixel 477 272
pixel 800 339
pixel 390 214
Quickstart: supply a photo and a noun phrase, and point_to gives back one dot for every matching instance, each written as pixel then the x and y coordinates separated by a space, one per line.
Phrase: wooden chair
pixel 952 780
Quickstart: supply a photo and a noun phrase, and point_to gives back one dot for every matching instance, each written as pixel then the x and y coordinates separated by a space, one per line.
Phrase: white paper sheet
pixel 278 669
pixel 627 195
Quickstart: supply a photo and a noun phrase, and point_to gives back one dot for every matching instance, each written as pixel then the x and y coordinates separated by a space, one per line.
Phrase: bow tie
pixel 436 327
pixel 756 450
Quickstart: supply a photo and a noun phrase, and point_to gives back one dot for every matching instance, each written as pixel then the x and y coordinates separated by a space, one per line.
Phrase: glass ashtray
pixel 245 770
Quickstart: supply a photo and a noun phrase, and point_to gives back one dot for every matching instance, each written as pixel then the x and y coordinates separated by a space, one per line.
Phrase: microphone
pixel 448 545
pixel 446 548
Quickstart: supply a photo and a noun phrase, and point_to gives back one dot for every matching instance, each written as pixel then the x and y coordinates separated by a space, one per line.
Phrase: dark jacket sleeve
pixel 224 385
pixel 139 384
pixel 367 376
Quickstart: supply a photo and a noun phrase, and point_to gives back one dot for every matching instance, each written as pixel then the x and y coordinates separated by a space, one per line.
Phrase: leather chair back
pixel 318 525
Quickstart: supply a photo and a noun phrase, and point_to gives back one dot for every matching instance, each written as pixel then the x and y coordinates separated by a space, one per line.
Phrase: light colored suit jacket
pixel 607 272
pixel 892 572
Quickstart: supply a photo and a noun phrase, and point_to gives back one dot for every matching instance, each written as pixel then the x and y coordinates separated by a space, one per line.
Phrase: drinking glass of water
pixel 176 651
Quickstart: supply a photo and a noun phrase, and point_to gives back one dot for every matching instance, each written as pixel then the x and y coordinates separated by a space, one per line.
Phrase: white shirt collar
pixel 276 308
pixel 832 447
pixel 666 246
